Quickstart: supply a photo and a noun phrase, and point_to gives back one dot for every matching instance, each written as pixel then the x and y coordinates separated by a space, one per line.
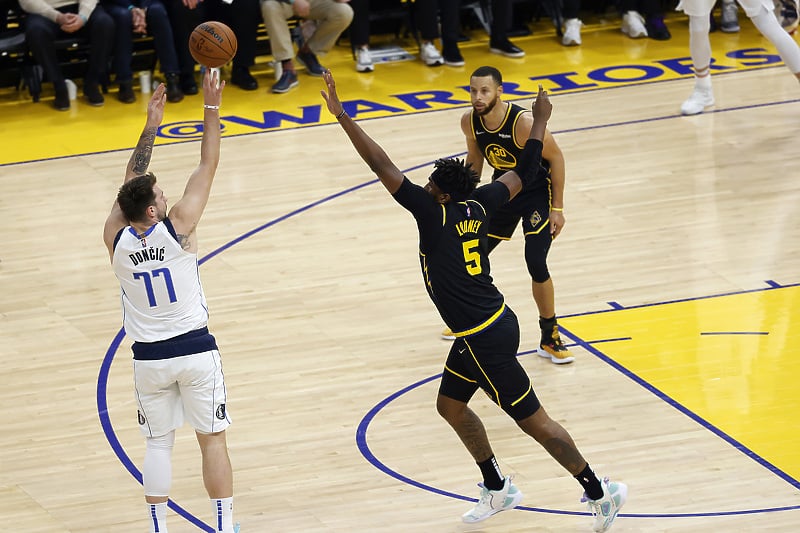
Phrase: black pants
pixel 41 35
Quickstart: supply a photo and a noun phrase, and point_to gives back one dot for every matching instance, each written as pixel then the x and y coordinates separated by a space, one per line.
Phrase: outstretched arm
pixel 531 155
pixel 139 161
pixel 186 212
pixel 372 154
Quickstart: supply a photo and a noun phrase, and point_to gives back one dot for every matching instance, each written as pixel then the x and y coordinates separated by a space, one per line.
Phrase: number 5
pixel 472 258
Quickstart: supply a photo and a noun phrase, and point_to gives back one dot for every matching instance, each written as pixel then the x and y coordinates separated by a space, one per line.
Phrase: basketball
pixel 212 44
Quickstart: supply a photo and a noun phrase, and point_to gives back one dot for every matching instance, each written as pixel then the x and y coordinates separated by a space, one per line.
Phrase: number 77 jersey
pixel 162 296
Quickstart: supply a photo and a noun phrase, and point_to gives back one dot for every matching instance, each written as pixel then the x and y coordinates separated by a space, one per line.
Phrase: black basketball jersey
pixel 499 146
pixel 453 257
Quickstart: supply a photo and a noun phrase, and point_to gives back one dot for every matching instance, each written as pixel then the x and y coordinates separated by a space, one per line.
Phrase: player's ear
pixel 443 198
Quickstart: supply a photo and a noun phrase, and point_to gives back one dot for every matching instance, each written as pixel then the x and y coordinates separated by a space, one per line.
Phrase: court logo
pixel 221 411
pixel 140 416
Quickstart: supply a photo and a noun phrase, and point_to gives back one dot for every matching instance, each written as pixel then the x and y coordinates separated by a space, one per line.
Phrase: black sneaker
pixel 174 92
pixel 241 77
pixel 506 48
pixel 288 81
pixel 552 348
pixel 452 57
pixel 61 101
pixel 656 29
pixel 92 93
pixel 126 94
pixel 188 85
pixel 309 60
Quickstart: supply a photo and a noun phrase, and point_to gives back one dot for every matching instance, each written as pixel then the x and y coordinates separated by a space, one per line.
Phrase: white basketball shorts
pixel 189 387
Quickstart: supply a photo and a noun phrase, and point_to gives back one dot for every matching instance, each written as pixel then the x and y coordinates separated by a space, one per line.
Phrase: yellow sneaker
pixel 552 348
pixel 447 335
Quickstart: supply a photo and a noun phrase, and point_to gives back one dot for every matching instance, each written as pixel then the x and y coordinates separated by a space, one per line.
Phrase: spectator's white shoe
pixel 572 32
pixel 633 25
pixel 364 60
pixel 430 55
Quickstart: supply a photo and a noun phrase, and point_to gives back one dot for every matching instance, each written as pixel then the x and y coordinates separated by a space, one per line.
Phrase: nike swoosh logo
pixel 462 351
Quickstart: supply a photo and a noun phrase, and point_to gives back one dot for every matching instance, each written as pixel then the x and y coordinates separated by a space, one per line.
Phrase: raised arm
pixel 531 155
pixel 186 212
pixel 372 154
pixel 474 153
pixel 139 161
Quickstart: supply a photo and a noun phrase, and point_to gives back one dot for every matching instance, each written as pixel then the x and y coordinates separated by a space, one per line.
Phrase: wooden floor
pixel 331 346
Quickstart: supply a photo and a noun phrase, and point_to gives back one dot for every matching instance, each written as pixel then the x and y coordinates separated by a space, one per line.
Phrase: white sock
pixel 157 512
pixel 703 83
pixel 223 514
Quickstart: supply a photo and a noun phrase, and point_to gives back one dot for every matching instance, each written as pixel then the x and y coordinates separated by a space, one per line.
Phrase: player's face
pixel 483 93
pixel 438 194
pixel 161 203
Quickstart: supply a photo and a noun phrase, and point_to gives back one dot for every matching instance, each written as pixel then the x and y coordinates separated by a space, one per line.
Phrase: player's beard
pixel 488 107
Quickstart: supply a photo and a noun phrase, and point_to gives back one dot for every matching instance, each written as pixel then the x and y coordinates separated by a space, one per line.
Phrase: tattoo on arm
pixel 143 151
pixel 183 240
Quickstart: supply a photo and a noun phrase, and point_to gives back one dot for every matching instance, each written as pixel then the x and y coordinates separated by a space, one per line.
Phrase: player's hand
pixel 542 108
pixel 557 222
pixel 155 107
pixel 330 97
pixel 212 87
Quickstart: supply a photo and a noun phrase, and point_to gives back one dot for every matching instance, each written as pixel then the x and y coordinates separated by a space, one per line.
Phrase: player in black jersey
pixel 452 216
pixel 495 131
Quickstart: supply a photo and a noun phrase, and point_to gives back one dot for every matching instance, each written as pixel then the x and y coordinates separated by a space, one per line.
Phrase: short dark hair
pixel 136 195
pixel 455 177
pixel 484 71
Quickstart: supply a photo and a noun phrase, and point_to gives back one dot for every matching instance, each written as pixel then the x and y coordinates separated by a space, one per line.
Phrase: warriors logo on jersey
pixel 535 219
pixel 500 158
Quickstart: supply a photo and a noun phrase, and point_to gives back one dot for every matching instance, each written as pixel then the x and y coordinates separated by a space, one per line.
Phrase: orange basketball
pixel 212 44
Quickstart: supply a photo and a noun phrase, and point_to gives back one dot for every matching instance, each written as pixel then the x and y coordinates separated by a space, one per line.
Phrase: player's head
pixel 485 89
pixel 452 177
pixel 141 200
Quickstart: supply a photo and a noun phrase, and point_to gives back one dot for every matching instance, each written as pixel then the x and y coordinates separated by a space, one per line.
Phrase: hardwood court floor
pixel 331 347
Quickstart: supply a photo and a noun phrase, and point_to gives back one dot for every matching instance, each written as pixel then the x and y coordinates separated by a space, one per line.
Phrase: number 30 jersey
pixel 161 292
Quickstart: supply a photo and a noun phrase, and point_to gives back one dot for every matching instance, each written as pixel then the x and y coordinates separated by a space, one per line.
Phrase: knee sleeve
pixel 157 468
pixel 787 48
pixel 699 44
pixel 536 259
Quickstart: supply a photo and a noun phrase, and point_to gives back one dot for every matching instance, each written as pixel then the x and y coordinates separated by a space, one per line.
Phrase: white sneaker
pixel 364 60
pixel 448 335
pixel 697 102
pixel 494 501
pixel 430 55
pixel 729 17
pixel 572 32
pixel 606 508
pixel 633 25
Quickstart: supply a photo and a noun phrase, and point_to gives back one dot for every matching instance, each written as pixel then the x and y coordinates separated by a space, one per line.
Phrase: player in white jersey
pixel 763 17
pixel 176 364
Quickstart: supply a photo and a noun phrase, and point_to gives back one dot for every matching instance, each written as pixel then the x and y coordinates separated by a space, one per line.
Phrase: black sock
pixel 547 324
pixel 590 483
pixel 492 478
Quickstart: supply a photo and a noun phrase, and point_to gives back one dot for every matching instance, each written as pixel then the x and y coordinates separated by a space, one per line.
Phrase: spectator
pixel 49 20
pixel 425 15
pixel 331 18
pixel 143 16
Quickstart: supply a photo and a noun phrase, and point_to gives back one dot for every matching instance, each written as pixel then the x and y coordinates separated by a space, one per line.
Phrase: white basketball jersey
pixel 161 292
